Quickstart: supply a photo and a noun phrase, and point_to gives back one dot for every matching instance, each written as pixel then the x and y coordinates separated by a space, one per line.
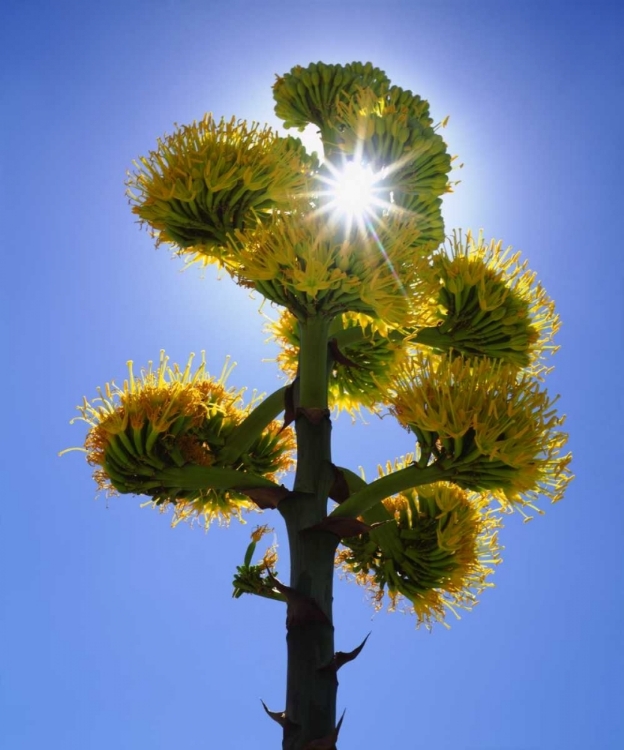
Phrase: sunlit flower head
pixel 436 551
pixel 369 360
pixel 498 429
pixel 300 262
pixel 168 418
pixel 488 303
pixel 392 134
pixel 394 130
pixel 310 95
pixel 210 178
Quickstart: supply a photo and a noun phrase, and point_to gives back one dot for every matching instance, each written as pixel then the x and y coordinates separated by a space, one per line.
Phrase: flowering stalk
pixel 311 687
pixel 313 360
pixel 375 315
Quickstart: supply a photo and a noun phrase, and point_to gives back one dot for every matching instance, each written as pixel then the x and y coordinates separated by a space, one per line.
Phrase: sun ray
pixel 351 193
pixel 387 260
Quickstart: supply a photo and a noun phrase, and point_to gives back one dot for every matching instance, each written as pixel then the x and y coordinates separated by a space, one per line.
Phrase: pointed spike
pixel 301 609
pixel 278 716
pixel 328 742
pixel 339 491
pixel 339 724
pixel 266 497
pixel 313 415
pixel 341 658
pixel 341 527
pixel 289 405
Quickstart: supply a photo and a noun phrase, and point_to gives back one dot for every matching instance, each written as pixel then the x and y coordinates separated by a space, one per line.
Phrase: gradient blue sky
pixel 119 632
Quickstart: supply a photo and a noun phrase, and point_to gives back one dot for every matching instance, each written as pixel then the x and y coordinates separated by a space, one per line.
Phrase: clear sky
pixel 119 632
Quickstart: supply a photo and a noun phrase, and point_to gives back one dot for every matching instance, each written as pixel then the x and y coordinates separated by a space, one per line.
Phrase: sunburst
pixel 352 193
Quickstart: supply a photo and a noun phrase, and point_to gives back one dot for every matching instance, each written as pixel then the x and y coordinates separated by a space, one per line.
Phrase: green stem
pixel 398 481
pixel 251 428
pixel 313 362
pixel 310 690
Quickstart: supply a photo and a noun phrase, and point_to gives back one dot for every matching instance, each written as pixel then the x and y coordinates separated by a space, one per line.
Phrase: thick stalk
pixel 311 689
pixel 313 363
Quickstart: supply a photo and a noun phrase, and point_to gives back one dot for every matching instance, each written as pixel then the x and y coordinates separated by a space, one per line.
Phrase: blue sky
pixel 120 632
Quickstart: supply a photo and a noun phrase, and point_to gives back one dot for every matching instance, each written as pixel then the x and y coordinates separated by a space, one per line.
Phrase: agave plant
pixel 375 308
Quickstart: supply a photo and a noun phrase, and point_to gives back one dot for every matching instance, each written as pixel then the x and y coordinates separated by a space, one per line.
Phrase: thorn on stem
pixel 289 405
pixel 278 716
pixel 341 527
pixel 266 497
pixel 343 657
pixel 301 609
pixel 339 491
pixel 313 414
pixel 328 742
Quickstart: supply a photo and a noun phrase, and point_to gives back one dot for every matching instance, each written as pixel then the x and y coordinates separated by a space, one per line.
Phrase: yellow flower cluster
pixel 389 129
pixel 488 304
pixel 168 418
pixel 497 429
pixel 436 550
pixel 394 136
pixel 300 261
pixel 253 202
pixel 369 360
pixel 211 178
pixel 312 94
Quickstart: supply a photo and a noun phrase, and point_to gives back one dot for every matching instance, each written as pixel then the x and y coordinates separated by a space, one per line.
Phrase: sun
pixel 353 190
pixel 351 193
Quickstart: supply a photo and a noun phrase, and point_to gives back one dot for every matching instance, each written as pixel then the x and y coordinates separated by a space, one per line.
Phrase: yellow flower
pixel 310 95
pixel 258 579
pixel 488 304
pixel 496 428
pixel 393 135
pixel 436 550
pixel 210 178
pixel 168 418
pixel 259 532
pixel 303 262
pixel 394 131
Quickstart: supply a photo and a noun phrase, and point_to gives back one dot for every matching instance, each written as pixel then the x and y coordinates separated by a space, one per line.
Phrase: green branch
pixel 391 484
pixel 252 427
pixel 434 338
pixel 210 477
pixel 347 337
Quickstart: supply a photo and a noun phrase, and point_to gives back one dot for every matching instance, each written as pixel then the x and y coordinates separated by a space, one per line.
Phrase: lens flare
pixel 351 194
pixel 353 190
